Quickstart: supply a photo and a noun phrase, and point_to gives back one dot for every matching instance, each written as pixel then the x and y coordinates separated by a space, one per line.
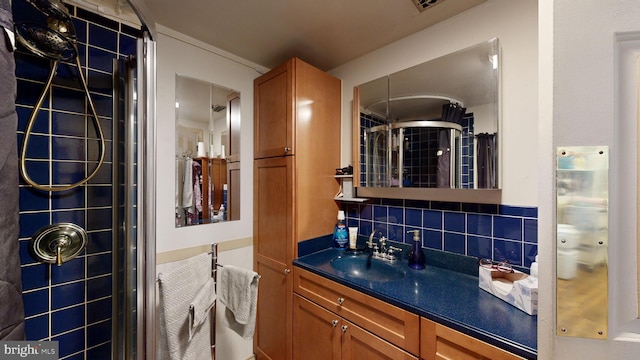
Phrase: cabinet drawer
pixel 389 322
pixel 439 342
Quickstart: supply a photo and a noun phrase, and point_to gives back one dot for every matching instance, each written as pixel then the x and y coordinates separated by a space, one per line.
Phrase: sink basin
pixel 363 267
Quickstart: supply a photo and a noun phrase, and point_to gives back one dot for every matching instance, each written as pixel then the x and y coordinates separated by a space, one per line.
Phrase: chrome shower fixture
pixel 423 5
pixel 218 108
pixel 57 243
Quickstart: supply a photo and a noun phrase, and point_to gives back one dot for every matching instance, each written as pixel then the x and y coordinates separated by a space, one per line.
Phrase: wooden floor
pixel 582 303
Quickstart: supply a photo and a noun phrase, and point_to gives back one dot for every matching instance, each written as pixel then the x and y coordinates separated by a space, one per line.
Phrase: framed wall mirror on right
pixel 431 131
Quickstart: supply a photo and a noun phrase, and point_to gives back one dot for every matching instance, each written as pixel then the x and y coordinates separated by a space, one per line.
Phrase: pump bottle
pixel 416 256
pixel 340 234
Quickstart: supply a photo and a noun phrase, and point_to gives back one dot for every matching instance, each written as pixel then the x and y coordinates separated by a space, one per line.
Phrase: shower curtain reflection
pixel 487 160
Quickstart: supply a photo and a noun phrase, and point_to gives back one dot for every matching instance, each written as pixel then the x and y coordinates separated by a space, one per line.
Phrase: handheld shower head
pixel 45 42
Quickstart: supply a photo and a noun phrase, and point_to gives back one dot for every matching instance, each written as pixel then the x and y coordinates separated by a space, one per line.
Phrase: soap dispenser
pixel 416 256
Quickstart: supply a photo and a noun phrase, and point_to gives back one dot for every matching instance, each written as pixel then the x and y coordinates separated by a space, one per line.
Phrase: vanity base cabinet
pixel 376 317
pixel 316 331
pixel 438 342
pixel 319 334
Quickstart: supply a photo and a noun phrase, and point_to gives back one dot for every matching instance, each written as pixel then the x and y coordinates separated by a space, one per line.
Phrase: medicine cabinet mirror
pixel 430 132
pixel 207 153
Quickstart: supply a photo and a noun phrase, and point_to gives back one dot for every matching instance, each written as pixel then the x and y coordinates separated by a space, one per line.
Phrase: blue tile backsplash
pixel 71 303
pixel 499 232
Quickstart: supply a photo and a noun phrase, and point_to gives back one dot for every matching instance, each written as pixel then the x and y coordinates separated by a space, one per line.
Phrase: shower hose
pixel 54 45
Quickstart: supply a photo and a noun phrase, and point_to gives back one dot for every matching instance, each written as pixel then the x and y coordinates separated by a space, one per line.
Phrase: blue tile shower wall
pixel 71 303
pixel 499 232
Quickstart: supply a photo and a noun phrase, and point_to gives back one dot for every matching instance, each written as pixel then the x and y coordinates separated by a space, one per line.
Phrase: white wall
pixel 180 54
pixel 515 24
pixel 589 96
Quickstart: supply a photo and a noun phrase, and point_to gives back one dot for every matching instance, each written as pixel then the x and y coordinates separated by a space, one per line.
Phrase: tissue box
pixel 517 288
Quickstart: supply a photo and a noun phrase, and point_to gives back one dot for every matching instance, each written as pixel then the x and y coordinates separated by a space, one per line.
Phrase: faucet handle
pixel 391 252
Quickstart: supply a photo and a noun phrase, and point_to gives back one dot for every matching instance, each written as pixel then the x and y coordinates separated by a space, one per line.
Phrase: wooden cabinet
pixel 438 342
pixel 296 151
pixel 386 321
pixel 218 179
pixel 319 334
pixel 233 192
pixel 204 216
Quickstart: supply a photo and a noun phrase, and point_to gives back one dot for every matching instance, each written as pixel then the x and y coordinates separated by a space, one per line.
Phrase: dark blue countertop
pixel 448 297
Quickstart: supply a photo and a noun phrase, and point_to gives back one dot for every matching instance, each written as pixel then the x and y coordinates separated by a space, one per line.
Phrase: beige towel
pixel 238 291
pixel 179 288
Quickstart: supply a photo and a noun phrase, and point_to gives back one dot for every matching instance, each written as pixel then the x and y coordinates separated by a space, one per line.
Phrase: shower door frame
pixel 146 199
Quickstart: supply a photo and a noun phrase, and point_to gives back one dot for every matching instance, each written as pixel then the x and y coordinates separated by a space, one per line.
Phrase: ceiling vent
pixel 218 108
pixel 423 5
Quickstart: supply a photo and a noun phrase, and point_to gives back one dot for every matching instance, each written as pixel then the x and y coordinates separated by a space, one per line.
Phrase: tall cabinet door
pixel 273 113
pixel 273 249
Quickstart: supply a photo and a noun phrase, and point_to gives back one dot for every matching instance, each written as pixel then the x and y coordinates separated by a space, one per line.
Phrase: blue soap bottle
pixel 340 234
pixel 416 256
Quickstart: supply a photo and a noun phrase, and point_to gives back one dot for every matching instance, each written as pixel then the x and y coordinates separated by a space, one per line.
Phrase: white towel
pixel 238 291
pixel 178 290
pixel 187 185
pixel 200 307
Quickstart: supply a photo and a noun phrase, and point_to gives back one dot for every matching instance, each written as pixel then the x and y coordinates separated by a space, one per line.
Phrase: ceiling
pixel 325 33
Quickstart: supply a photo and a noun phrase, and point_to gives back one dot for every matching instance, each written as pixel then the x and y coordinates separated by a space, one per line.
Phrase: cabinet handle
pixel 287 271
pixel 334 323
pixel 287 149
pixel 344 328
pixel 340 301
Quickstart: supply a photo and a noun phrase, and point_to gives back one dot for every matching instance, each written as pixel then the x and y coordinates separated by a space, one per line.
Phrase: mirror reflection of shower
pixel 377 142
pixel 426 154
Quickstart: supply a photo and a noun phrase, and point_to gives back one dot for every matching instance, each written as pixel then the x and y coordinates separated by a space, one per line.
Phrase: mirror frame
pixel 480 196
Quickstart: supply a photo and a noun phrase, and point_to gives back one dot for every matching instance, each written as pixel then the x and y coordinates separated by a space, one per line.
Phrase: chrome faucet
pixel 370 243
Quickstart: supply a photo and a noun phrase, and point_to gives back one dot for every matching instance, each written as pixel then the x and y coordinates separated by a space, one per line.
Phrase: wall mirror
pixel 207 153
pixel 582 183
pixel 431 131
